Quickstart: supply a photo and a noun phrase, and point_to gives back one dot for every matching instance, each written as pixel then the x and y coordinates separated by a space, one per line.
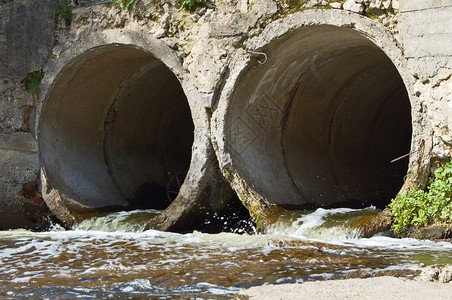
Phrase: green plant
pixel 441 191
pixel 297 4
pixel 109 25
pixel 126 3
pixel 154 18
pixel 191 5
pixel 33 82
pixel 63 11
pixel 419 208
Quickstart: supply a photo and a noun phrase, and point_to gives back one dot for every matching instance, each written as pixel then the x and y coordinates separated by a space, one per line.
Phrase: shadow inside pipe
pixel 115 128
pixel 318 124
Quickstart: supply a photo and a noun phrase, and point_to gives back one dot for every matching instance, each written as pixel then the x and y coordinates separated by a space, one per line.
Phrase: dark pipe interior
pixel 116 129
pixel 319 123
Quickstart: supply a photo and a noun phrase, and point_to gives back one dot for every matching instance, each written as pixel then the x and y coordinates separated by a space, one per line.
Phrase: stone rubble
pixel 435 273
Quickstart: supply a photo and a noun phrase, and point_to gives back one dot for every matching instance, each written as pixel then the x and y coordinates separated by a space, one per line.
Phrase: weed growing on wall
pixel 126 3
pixel 419 208
pixel 63 11
pixel 297 4
pixel 33 82
pixel 191 5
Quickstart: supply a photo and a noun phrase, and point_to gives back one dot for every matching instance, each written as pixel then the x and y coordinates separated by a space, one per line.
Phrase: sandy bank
pixel 370 288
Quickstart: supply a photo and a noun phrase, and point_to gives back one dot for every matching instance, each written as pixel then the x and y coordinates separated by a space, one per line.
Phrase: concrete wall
pixel 26 36
pixel 26 39
pixel 204 49
pixel 425 28
pixel 426 38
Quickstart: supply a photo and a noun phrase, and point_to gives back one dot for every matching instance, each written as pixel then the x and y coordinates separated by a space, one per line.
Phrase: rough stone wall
pixel 26 39
pixel 426 35
pixel 206 41
pixel 26 36
pixel 206 38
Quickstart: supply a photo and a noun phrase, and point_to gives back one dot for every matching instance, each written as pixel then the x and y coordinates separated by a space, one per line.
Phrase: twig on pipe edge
pixel 421 148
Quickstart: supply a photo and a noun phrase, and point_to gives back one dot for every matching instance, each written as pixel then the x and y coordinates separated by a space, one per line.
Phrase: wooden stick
pixel 408 154
pixel 403 156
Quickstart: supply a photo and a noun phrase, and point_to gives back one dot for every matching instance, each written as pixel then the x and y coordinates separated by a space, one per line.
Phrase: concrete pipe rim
pixel 140 56
pixel 242 175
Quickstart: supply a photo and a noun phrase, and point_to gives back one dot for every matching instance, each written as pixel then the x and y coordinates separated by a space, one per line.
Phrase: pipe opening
pixel 319 123
pixel 116 130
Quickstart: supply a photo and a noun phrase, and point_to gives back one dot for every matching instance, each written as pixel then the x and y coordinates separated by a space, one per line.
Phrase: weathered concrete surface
pixel 204 189
pixel 416 5
pixel 426 37
pixel 133 127
pixel 433 38
pixel 26 36
pixel 259 127
pixel 369 288
pixel 19 156
pixel 207 50
pixel 26 39
pixel 19 168
pixel 439 111
pixel 16 107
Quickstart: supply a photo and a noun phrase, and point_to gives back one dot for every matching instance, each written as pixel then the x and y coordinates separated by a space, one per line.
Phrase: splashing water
pixel 112 257
pixel 323 224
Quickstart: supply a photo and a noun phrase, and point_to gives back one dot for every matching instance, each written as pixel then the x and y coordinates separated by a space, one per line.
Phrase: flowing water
pixel 113 257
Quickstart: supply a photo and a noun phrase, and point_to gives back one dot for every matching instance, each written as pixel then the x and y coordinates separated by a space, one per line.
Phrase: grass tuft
pixel 125 4
pixel 33 82
pixel 191 5
pixel 63 12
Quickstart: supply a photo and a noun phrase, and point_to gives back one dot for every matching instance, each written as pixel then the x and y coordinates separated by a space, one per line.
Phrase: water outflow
pixel 323 224
pixel 111 256
pixel 123 221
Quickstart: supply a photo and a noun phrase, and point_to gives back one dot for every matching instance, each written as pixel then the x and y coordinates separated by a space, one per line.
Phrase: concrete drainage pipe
pixel 116 131
pixel 116 128
pixel 317 124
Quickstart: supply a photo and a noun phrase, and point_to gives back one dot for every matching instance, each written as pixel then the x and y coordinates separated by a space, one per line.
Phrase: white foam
pixel 137 285
pixel 399 244
pixel 26 255
pixel 21 279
